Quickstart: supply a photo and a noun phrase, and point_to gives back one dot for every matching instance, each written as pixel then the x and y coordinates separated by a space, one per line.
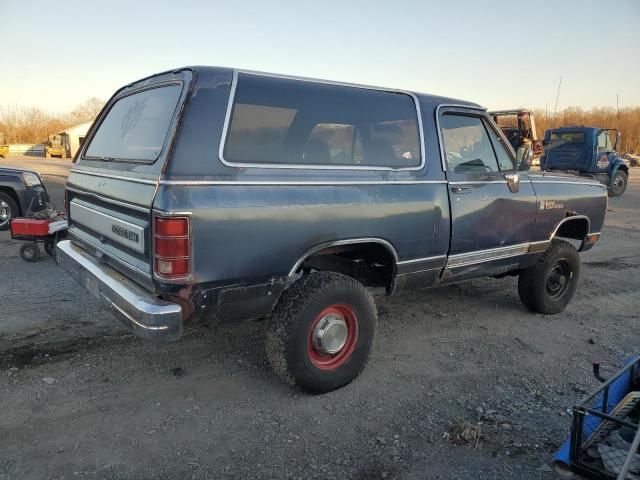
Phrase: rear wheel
pixel 8 210
pixel 548 286
pixel 321 332
pixel 30 252
pixel 618 184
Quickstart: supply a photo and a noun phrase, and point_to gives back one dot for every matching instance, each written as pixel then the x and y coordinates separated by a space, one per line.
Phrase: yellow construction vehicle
pixel 55 146
pixel 4 148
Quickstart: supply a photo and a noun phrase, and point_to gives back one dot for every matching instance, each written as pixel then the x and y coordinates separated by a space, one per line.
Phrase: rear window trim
pixel 115 100
pixel 300 166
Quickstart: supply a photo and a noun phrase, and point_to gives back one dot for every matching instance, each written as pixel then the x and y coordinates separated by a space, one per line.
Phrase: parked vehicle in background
pixel 589 152
pixel 55 146
pixel 519 127
pixel 20 192
pixel 231 195
pixel 631 159
pixel 4 148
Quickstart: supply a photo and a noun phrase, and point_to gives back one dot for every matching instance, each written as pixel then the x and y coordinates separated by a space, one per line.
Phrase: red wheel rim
pixel 322 360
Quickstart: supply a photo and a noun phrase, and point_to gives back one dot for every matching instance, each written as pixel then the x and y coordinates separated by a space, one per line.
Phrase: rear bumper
pixel 147 316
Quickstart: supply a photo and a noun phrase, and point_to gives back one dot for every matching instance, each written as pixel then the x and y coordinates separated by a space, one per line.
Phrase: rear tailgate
pixel 111 188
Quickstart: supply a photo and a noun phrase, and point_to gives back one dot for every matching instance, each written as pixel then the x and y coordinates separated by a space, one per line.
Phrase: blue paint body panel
pixel 253 228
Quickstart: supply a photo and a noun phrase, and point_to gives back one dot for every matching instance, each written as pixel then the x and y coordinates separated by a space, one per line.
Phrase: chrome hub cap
pixel 5 212
pixel 330 335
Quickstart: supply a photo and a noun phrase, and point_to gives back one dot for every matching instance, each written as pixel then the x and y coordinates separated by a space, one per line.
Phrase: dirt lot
pixel 89 400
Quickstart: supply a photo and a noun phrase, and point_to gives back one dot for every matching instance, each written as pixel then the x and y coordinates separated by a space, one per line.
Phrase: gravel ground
pixel 81 398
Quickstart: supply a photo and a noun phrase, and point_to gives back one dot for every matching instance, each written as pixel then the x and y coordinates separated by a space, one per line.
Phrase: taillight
pixel 171 247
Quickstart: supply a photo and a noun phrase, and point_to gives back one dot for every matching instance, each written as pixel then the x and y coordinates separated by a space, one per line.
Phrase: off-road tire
pixel 292 322
pixel 13 206
pixel 533 282
pixel 619 178
pixel 30 252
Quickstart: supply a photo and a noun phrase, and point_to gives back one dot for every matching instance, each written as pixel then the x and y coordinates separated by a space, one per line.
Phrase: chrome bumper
pixel 147 316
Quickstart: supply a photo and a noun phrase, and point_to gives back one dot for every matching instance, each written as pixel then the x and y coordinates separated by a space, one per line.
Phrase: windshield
pixel 136 126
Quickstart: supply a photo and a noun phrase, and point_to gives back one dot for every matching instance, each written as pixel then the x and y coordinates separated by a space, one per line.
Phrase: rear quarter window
pixel 562 138
pixel 136 126
pixel 303 123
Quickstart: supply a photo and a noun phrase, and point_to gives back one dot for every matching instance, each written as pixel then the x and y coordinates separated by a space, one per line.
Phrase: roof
pixel 574 128
pixel 80 129
pixel 435 99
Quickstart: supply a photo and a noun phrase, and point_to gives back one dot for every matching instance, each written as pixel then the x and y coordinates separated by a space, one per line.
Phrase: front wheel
pixel 618 184
pixel 8 210
pixel 322 332
pixel 548 286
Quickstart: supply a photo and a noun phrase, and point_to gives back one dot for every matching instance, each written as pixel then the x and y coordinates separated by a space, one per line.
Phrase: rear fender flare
pixel 572 221
pixel 352 241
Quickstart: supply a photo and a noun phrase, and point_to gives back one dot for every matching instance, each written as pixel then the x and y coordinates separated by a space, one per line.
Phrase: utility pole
pixel 618 115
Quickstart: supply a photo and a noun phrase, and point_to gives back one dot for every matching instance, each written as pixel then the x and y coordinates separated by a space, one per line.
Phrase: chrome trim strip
pixel 165 213
pixel 227 119
pixel 540 246
pixel 538 242
pixel 570 183
pixel 419 271
pixel 97 221
pixel 482 256
pixel 300 182
pixel 478 182
pixel 440 139
pixel 115 177
pixel 109 200
pixel 416 260
pixel 336 243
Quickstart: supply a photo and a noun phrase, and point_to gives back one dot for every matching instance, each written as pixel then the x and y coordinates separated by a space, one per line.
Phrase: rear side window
pixel 562 138
pixel 293 122
pixel 136 126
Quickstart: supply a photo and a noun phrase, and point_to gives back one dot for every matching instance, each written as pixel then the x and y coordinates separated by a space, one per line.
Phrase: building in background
pixel 73 138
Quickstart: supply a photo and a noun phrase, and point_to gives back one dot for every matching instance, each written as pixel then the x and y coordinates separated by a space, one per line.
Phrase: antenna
pixel 555 109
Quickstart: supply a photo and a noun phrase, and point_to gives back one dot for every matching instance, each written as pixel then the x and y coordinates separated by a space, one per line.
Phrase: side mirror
pixel 524 156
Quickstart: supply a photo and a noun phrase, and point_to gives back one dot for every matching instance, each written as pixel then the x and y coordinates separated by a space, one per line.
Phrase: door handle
pixel 461 189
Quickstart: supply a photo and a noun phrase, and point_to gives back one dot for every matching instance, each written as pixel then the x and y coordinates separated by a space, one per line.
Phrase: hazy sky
pixel 497 53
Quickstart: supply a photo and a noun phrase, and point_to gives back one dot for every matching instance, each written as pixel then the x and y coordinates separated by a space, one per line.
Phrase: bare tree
pixel 87 111
pixel 22 124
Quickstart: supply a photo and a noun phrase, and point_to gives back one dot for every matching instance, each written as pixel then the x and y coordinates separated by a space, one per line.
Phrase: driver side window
pixel 467 145
pixel 604 142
